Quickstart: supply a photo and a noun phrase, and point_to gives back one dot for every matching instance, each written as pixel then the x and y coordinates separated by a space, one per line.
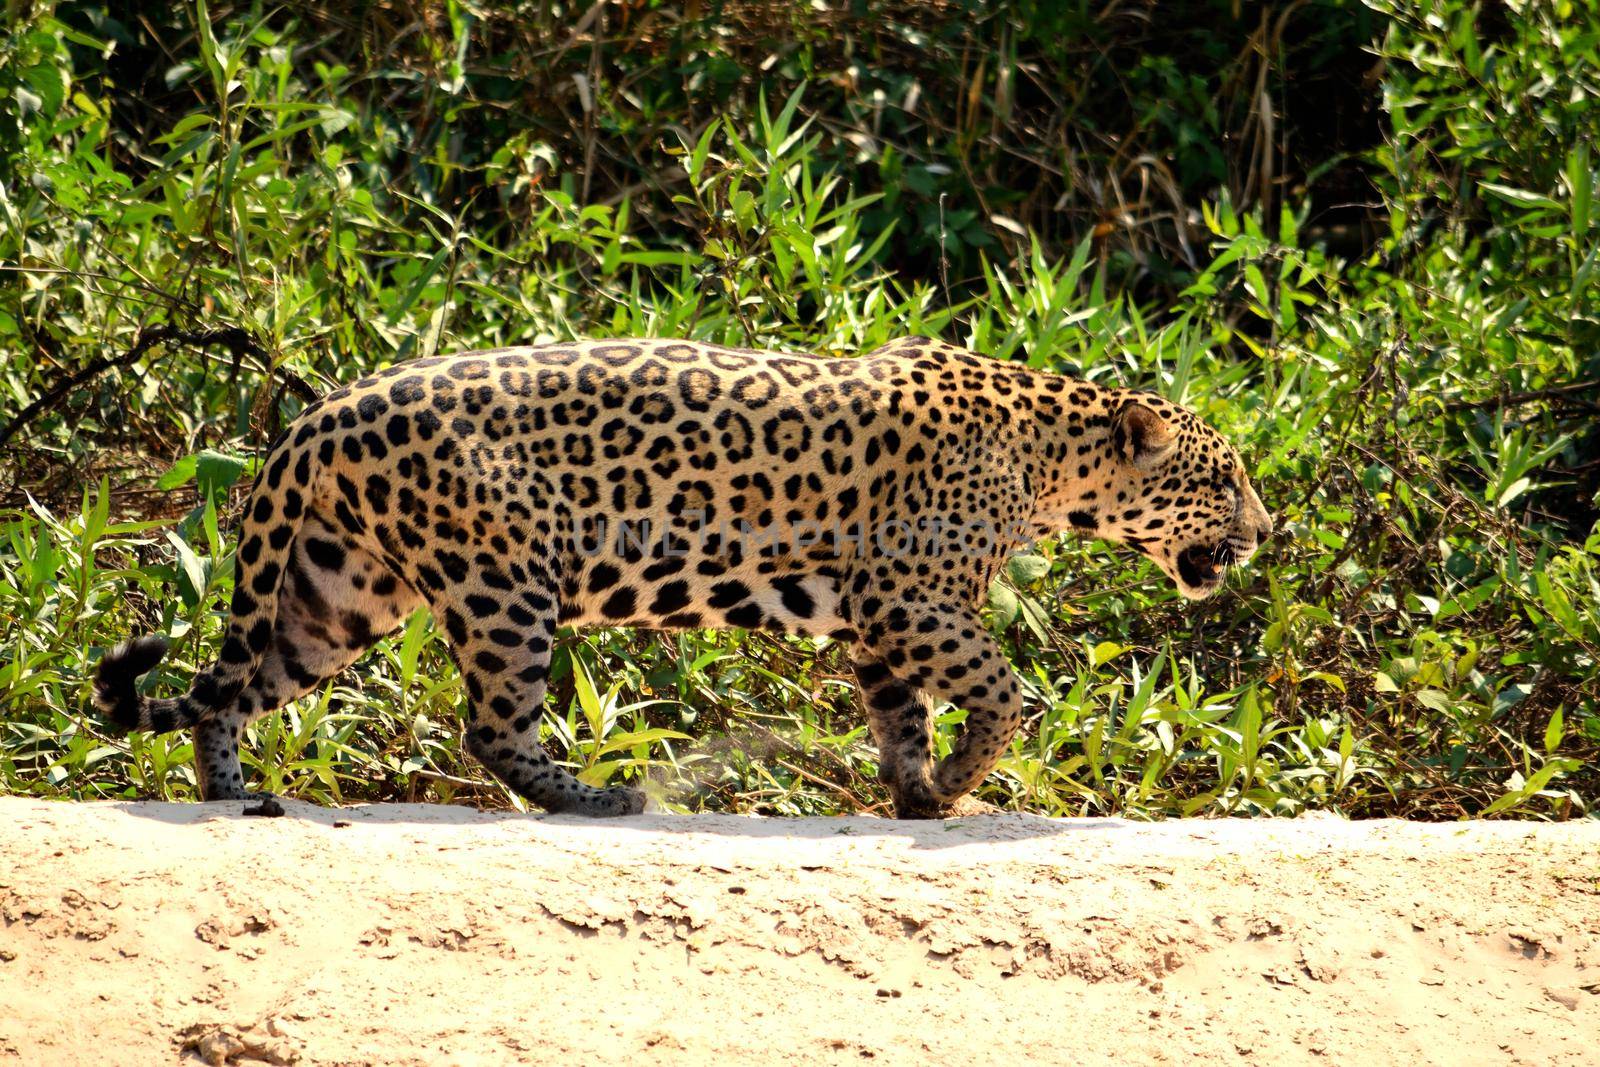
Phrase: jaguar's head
pixel 1178 494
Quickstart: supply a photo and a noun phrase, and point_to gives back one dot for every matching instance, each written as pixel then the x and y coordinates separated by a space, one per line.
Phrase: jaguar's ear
pixel 1141 436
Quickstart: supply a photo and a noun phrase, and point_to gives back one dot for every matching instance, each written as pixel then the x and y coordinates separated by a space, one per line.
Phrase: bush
pixel 1414 381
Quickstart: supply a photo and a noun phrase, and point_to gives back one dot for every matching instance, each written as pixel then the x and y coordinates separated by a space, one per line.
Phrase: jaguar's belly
pixel 678 594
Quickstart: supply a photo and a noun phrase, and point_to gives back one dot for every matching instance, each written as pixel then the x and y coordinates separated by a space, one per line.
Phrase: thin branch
pixel 238 341
pixel 1522 398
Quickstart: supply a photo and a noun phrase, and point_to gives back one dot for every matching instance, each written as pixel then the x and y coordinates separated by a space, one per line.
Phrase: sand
pixel 413 934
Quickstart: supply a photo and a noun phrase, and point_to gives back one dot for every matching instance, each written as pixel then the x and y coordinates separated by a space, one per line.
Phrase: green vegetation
pixel 1360 239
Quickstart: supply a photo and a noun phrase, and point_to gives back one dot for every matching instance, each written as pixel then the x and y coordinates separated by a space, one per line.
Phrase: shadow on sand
pixel 924 834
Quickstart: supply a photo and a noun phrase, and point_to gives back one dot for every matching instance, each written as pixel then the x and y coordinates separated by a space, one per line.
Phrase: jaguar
pixel 669 484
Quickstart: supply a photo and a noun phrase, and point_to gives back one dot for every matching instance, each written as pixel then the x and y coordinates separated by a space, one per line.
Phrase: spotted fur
pixel 498 488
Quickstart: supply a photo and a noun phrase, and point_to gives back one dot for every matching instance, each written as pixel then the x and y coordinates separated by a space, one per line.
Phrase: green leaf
pixel 46 80
pixel 660 259
pixel 180 473
pixel 193 570
pixel 1435 700
pixel 622 741
pixel 1532 786
pixel 588 698
pixel 1554 732
pixel 95 516
pixel 213 472
pixel 1512 491
pixel 396 313
pixel 216 472
pixel 1035 617
pixel 416 633
pixel 209 50
pixel 600 773
pixel 1326 678
pixel 1027 569
pixel 702 148
pixel 1580 182
pixel 1106 651
pixel 1520 197
pixel 1004 603
pixel 1257 283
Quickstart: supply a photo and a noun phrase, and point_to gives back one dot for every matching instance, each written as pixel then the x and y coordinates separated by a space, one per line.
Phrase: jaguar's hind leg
pixel 338 599
pixel 901 716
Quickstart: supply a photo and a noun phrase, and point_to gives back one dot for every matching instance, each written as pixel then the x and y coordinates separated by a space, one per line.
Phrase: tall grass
pixel 1422 639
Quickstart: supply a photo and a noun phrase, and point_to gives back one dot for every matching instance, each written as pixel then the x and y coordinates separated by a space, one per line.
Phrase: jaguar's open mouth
pixel 1202 565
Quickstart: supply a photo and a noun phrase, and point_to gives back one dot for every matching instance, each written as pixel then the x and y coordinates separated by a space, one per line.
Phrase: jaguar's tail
pixel 273 517
pixel 117 696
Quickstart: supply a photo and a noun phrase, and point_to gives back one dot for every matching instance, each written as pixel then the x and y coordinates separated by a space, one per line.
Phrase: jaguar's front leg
pixel 941 651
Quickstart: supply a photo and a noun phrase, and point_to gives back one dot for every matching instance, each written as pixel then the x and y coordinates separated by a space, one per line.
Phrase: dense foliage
pixel 1360 239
